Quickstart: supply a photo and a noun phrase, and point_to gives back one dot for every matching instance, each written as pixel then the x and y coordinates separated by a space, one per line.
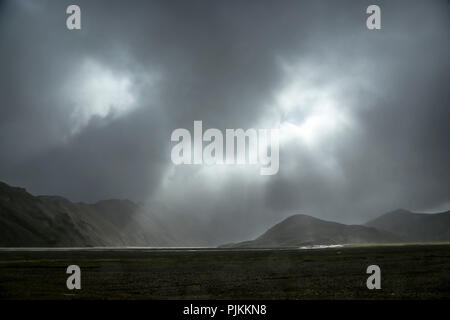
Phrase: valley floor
pixel 407 272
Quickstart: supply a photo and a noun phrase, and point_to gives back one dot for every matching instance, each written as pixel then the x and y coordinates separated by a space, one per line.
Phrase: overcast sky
pixel 364 115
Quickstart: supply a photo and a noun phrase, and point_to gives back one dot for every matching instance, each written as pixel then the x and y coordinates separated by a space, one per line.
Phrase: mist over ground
pixel 363 114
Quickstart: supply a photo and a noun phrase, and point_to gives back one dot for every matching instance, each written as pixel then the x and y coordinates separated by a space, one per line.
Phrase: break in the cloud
pixel 363 114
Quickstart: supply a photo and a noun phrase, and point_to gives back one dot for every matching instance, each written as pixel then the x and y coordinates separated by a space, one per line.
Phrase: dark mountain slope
pixel 29 221
pixel 420 227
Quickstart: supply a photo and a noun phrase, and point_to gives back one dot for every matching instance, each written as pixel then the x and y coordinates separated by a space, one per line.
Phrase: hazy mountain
pixel 301 229
pixel 27 220
pixel 415 226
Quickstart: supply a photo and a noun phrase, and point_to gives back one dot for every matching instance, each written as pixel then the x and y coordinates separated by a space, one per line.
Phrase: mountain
pixel 417 227
pixel 52 221
pixel 298 230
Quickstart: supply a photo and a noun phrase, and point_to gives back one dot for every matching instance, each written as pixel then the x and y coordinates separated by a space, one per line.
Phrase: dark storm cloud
pixel 226 62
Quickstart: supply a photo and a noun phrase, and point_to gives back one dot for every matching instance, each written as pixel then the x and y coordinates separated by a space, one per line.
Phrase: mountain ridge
pixel 393 227
pixel 412 226
pixel 54 221
pixel 302 230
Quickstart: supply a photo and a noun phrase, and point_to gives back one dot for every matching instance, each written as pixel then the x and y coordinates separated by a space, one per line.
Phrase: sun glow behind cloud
pixel 98 91
pixel 310 110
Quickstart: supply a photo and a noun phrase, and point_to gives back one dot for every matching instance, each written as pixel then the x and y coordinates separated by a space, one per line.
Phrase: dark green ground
pixel 408 272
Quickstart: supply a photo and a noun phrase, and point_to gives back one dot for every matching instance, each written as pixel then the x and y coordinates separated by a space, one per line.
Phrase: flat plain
pixel 419 271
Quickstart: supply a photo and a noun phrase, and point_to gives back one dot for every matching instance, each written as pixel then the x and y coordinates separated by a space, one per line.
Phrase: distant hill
pixel 298 230
pixel 52 221
pixel 417 227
